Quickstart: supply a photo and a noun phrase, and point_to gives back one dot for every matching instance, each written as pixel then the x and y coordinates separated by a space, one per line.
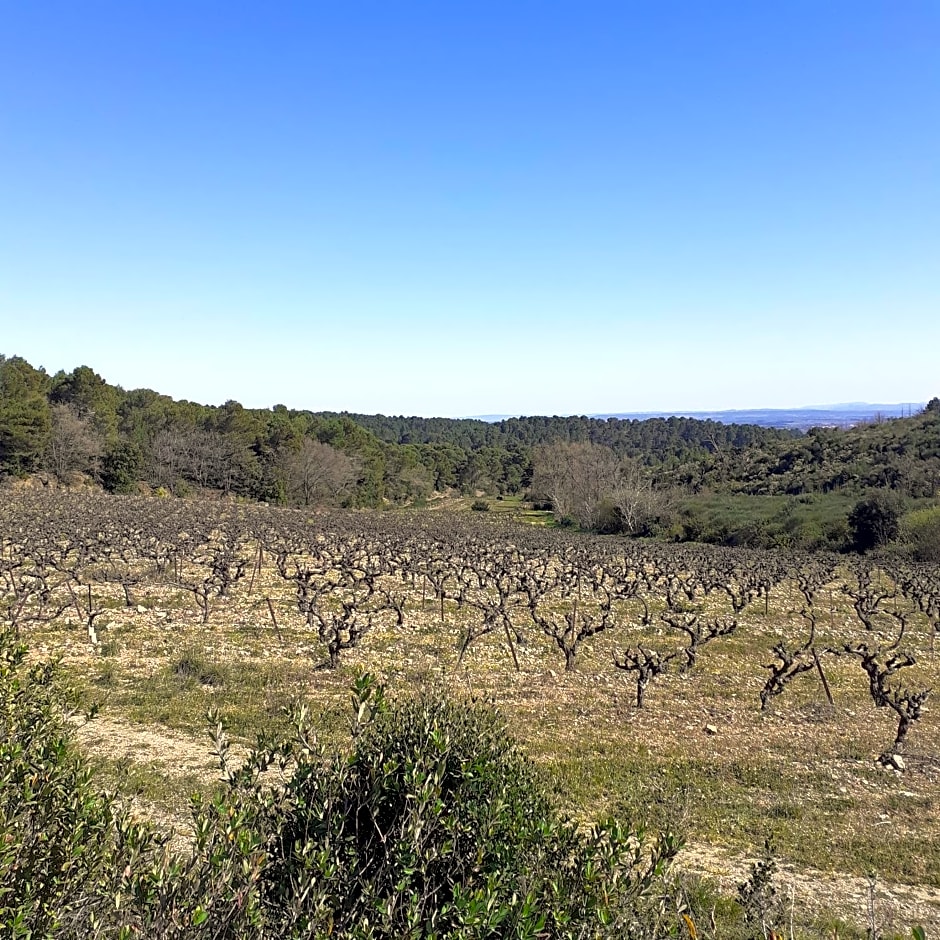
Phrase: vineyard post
pixel 256 569
pixel 822 676
pixel 277 628
pixel 512 648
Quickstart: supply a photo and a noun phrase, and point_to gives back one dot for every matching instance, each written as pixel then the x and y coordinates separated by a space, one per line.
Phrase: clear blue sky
pixel 448 208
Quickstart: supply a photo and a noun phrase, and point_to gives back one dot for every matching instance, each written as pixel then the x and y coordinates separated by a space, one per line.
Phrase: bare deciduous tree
pixel 205 458
pixel 575 478
pixel 632 495
pixel 74 446
pixel 318 474
pixel 588 482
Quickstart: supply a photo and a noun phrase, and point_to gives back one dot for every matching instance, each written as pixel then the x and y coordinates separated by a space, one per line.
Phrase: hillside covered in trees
pixel 614 474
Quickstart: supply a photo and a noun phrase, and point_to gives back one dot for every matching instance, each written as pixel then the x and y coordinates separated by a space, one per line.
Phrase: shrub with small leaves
pixel 435 824
pixel 430 823
pixel 60 842
pixel 758 897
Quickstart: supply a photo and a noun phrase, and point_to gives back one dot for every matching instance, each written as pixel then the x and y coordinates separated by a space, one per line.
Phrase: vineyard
pixel 731 696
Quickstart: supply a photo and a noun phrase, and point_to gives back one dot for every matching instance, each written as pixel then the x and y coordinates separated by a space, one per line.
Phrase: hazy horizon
pixel 500 209
pixel 857 406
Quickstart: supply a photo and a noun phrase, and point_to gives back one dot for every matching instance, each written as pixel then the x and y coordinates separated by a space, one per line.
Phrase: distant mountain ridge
pixel 842 415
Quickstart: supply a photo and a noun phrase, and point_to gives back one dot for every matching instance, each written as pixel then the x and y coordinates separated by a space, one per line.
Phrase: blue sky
pixel 470 208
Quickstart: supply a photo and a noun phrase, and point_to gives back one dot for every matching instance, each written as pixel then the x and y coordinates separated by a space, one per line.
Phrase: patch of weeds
pixel 837 804
pixel 657 796
pixel 711 911
pixel 107 674
pixel 786 811
pixel 852 749
pixel 762 776
pixel 816 713
pixel 251 695
pixel 191 665
pixel 909 805
pixel 915 859
pixel 146 781
pixel 177 601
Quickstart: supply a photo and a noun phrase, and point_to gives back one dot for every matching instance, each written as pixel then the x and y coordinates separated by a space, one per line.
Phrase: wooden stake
pixel 822 676
pixel 512 649
pixel 255 570
pixel 274 621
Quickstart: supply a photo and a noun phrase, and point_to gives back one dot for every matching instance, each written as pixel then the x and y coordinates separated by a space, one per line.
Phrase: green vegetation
pixel 875 521
pixel 920 534
pixel 429 823
pixel 674 478
pixel 807 523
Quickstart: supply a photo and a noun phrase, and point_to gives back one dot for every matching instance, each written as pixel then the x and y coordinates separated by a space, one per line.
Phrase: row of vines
pixel 344 574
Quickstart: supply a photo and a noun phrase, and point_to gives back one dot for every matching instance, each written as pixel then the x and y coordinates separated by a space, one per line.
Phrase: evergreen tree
pixel 24 415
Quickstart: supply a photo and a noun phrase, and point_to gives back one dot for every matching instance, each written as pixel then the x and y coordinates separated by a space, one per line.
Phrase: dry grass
pixel 701 757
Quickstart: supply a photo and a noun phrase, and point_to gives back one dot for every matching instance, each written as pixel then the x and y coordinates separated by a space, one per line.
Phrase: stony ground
pixel 700 758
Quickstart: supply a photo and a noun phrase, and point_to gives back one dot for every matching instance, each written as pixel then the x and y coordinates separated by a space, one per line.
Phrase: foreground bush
pixel 58 840
pixel 430 824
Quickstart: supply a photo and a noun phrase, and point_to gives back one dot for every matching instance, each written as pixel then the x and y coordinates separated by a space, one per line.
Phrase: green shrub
pixel 431 823
pixel 436 825
pixel 920 532
pixel 120 468
pixel 63 845
pixel 192 667
pixel 816 523
pixel 875 520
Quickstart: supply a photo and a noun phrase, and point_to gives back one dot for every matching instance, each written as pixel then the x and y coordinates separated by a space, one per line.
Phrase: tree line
pixel 605 474
pixel 76 423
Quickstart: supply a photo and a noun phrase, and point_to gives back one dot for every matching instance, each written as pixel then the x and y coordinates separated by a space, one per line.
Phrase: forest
pixel 681 479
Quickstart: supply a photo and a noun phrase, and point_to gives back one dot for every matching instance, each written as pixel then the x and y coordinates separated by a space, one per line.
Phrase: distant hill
pixel 800 419
pixel 845 415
